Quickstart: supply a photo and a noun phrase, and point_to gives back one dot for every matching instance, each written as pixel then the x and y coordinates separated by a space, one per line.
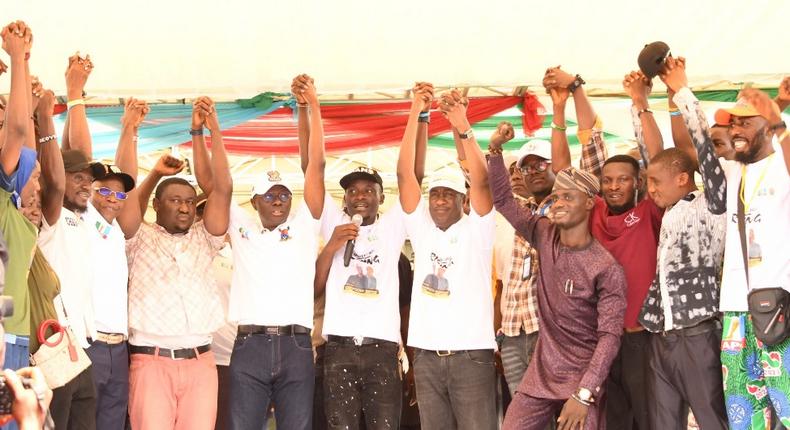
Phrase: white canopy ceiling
pixel 231 49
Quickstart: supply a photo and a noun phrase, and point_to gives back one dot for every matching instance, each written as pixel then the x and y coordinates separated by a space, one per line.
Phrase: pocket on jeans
pixel 302 342
pixel 483 357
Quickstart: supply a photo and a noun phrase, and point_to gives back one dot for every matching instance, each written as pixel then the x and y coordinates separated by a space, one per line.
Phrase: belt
pixel 274 330
pixel 446 352
pixel 355 340
pixel 110 338
pixel 703 327
pixel 175 354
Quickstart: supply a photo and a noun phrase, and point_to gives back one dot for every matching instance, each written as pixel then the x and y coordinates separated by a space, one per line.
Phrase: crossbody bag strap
pixel 742 232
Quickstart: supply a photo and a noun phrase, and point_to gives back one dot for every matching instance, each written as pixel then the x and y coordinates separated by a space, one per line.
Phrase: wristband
pixel 557 127
pixel 467 134
pixel 302 105
pixel 46 139
pixel 424 117
pixel 71 103
pixel 425 114
pixel 494 151
pixel 643 111
pixel 674 109
pixel 198 132
pixel 675 113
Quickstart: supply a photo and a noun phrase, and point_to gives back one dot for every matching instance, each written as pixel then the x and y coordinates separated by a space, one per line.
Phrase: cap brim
pixel 723 116
pixel 346 181
pixel 126 180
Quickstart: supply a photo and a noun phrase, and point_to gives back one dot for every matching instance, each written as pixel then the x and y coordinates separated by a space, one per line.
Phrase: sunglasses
pixel 283 197
pixel 539 166
pixel 106 192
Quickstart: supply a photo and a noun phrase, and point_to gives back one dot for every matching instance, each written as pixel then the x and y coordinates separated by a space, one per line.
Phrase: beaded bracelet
pixel 557 127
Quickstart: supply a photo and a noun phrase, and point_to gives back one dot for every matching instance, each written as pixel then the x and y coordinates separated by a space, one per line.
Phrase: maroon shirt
pixel 580 329
pixel 632 238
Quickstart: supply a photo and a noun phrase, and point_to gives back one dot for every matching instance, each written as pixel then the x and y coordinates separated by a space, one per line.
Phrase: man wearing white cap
pixel 451 320
pixel 757 191
pixel 271 294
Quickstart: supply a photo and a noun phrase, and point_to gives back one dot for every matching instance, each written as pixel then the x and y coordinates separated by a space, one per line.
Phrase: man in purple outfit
pixel 581 303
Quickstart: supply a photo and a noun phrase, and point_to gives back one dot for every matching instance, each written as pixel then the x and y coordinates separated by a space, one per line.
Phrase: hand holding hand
pixel 77 74
pixel 638 87
pixel 556 77
pixel 423 95
pixel 134 112
pixel 45 107
pixel 503 134
pixel 452 107
pixel 673 73
pixel 17 39
pixel 167 165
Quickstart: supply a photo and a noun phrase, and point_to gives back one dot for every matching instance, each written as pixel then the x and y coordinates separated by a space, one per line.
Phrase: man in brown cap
pixel 581 302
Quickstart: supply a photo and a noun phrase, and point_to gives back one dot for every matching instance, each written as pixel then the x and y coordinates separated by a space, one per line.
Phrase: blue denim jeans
pixel 362 386
pixel 269 368
pixel 457 391
pixel 110 366
pixel 16 357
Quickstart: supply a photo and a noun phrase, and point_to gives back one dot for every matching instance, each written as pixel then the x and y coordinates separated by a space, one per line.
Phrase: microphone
pixel 357 220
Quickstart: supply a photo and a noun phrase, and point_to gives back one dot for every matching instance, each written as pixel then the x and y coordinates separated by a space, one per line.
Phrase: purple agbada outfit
pixel 581 303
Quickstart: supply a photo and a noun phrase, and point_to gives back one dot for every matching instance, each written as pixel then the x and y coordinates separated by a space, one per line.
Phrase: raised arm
pixel 302 119
pixel 167 165
pixel 519 217
pixel 16 42
pixel 680 134
pixel 200 155
pixel 408 187
pixel 76 76
pixel 713 179
pixel 648 136
pixel 480 197
pixel 314 189
pixel 217 213
pixel 560 151
pixel 422 133
pixel 131 216
pixel 53 176
pixel 783 94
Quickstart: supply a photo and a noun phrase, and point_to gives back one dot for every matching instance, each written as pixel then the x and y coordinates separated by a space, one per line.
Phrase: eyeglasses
pixel 538 166
pixel 283 197
pixel 106 192
pixel 178 202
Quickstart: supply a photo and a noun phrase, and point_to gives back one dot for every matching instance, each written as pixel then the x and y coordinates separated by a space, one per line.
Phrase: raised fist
pixel 167 165
pixel 504 133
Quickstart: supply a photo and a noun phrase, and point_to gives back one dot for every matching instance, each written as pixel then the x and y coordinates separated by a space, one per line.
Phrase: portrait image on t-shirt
pixel 363 283
pixel 755 252
pixel 435 284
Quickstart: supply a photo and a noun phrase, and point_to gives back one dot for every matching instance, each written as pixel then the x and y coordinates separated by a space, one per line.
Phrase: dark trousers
pixel 532 413
pixel 269 368
pixel 110 367
pixel 626 388
pixel 223 398
pixel 516 354
pixel 362 381
pixel 685 371
pixel 319 416
pixel 457 391
pixel 73 405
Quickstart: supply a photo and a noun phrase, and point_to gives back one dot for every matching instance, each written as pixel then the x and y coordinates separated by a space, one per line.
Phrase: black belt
pixel 358 341
pixel 175 354
pixel 274 330
pixel 703 327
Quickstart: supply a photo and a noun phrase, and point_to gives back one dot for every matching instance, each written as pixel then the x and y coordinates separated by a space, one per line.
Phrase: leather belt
pixel 273 330
pixel 174 354
pixel 355 340
pixel 110 338
pixel 445 352
pixel 703 327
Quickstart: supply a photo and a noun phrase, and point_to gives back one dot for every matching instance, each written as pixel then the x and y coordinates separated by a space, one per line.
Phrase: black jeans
pixel 456 391
pixel 685 371
pixel 626 388
pixel 73 405
pixel 362 381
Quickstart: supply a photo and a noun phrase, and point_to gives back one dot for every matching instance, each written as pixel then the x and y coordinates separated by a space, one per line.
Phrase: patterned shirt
pixel 519 301
pixel 171 287
pixel 685 290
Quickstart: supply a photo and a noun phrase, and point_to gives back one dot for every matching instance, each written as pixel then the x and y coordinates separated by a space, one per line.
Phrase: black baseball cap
pixel 652 57
pixel 109 171
pixel 361 173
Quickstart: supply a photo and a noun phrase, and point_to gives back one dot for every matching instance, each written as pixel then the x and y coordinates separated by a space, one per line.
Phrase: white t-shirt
pixel 68 247
pixel 362 299
pixel 110 273
pixel 222 340
pixel 451 303
pixel 767 230
pixel 503 248
pixel 273 270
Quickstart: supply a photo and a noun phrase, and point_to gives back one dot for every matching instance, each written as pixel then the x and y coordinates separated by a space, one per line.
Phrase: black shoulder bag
pixel 768 307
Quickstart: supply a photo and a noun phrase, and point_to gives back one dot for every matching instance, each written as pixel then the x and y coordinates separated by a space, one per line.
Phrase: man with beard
pixel 628 228
pixel 757 185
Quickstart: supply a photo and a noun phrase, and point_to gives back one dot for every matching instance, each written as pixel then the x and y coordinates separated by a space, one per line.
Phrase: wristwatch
pixel 585 395
pixel 577 82
pixel 467 134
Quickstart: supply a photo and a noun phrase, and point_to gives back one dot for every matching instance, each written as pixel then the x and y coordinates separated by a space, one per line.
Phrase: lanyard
pixel 756 186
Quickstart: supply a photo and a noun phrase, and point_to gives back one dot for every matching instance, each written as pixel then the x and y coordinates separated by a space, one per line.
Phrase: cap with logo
pixel 267 181
pixel 537 147
pixel 448 178
pixel 361 173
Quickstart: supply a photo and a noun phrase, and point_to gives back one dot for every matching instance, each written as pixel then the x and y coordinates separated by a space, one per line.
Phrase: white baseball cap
pixel 267 181
pixel 448 178
pixel 538 147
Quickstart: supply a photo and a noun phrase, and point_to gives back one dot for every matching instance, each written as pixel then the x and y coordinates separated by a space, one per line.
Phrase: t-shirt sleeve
pixel 304 218
pixel 414 223
pixel 330 217
pixel 395 221
pixel 133 243
pixel 483 228
pixel 47 232
pixel 216 243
